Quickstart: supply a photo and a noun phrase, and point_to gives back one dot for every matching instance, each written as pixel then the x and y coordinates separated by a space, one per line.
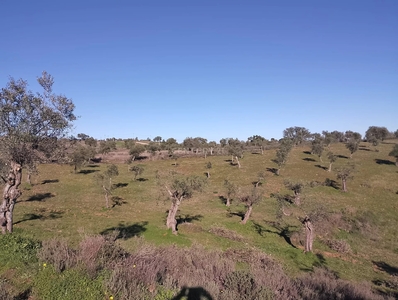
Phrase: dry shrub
pixel 57 253
pixel 98 252
pixel 226 233
pixel 171 267
pixel 266 272
pixel 340 246
pixel 322 284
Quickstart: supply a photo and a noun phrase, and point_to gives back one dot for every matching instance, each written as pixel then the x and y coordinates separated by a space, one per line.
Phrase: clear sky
pixel 209 68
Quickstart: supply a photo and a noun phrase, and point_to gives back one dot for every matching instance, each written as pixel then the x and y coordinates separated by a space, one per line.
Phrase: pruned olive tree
pixel 137 170
pixel 249 199
pixel 178 188
pixel 31 125
pixel 282 153
pixel 332 159
pixel 231 190
pixel 344 174
pixel 297 188
pixel 104 180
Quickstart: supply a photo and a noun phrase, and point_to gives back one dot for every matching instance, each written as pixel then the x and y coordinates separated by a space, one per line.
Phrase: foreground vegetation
pixel 67 243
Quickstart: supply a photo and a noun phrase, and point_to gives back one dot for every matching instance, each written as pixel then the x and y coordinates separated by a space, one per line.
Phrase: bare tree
pixel 30 128
pixel 260 178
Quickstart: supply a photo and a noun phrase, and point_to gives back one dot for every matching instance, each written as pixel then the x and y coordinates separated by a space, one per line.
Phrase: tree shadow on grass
pixel 223 199
pixel 332 183
pixel 141 179
pixel 307 152
pixel 273 170
pixel 384 162
pixel 41 216
pixel 117 201
pixel 240 214
pixel 193 293
pixel 381 265
pixel 342 156
pixel 321 167
pixel 364 149
pixel 127 231
pixel 49 181
pixel 120 184
pixel 187 219
pixel 282 231
pixel 85 172
pixel 40 197
pixel 309 159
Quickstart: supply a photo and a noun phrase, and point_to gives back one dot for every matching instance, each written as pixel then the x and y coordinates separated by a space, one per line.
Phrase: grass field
pixel 61 203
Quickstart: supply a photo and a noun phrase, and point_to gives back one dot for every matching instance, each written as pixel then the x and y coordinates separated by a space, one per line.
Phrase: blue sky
pixel 212 69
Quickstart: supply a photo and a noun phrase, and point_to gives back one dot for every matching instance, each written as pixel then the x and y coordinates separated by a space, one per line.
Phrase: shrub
pixel 226 233
pixel 57 253
pixel 340 246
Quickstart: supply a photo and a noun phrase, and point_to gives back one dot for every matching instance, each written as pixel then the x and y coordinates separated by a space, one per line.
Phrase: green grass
pixel 63 204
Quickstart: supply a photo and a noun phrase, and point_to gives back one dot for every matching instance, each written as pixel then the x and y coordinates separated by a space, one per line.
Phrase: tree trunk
pixel 247 214
pixel 208 174
pixel 29 179
pixel 297 199
pixel 106 196
pixel 309 234
pixel 228 203
pixel 10 196
pixel 277 171
pixel 344 182
pixel 171 221
pixel 330 167
pixel 237 160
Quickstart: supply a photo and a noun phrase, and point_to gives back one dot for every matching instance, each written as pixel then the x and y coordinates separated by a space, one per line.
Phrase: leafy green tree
pixel 135 151
pixel 137 170
pixel 157 139
pixel 297 134
pixel 81 156
pixel 317 146
pixel 31 125
pixel 90 141
pixel 260 178
pixel 352 145
pixel 394 153
pixel 396 133
pixel 107 146
pixel 375 134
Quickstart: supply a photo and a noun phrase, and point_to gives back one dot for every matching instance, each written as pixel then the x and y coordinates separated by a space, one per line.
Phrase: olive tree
pixel 249 199
pixel 344 174
pixel 282 153
pixel 31 125
pixel 332 159
pixel 231 190
pixel 394 153
pixel 297 188
pixel 104 179
pixel 137 170
pixel 178 188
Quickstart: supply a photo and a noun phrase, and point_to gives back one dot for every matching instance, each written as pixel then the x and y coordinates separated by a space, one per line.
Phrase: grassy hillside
pixel 364 220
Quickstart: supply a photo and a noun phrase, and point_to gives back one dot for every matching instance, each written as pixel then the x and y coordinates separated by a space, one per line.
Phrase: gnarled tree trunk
pixel 171 221
pixel 247 214
pixel 309 234
pixel 10 195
